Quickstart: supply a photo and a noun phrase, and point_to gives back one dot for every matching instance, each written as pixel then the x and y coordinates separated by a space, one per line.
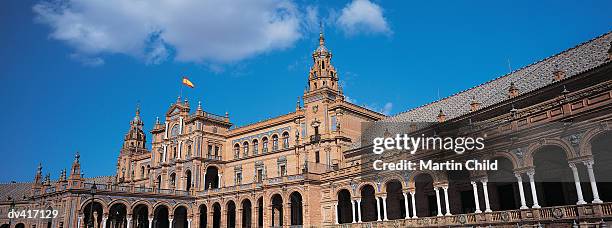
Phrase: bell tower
pixel 134 144
pixel 323 77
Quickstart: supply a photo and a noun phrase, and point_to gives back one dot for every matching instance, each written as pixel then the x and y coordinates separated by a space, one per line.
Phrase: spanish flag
pixel 187 82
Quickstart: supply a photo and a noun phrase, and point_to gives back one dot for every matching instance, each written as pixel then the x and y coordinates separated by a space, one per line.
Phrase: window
pixel 216 150
pixel 274 142
pixel 303 125
pixel 317 158
pixel 264 143
pixel 333 123
pixel 189 151
pixel 142 172
pixel 210 151
pixel 245 148
pixel 175 130
pixel 255 146
pixel 174 152
pixel 172 180
pixel 285 140
pixel 283 170
pixel 259 175
pixel 238 178
pixel 236 150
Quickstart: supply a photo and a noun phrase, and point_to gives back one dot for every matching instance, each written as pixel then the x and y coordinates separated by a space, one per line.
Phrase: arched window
pixel 245 148
pixel 285 140
pixel 274 142
pixel 173 180
pixel 148 169
pixel 264 145
pixel 189 150
pixel 142 171
pixel 236 150
pixel 255 146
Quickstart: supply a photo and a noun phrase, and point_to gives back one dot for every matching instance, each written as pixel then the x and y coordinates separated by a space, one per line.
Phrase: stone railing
pixel 562 216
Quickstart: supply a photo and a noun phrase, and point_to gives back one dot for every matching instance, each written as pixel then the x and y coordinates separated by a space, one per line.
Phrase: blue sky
pixel 72 74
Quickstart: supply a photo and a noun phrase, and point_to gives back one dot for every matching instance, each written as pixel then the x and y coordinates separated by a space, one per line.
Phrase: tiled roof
pixel 15 191
pixel 573 61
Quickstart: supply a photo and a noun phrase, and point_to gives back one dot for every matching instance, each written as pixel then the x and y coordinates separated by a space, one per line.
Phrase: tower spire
pixel 321 38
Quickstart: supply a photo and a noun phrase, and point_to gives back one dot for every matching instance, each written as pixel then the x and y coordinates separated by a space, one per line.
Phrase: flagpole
pixel 181 88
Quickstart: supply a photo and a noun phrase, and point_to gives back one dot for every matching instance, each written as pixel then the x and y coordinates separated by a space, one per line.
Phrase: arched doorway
pixel 277 210
pixel 345 207
pixel 4 226
pixel 20 225
pixel 425 196
pixel 368 204
pixel 231 214
pixel 602 156
pixel 216 215
pixel 188 181
pixel 160 217
pixel 503 187
pixel 395 200
pixel 203 216
pixel 246 213
pixel 260 212
pixel 180 217
pixel 211 180
pixel 117 216
pixel 97 213
pixel 141 216
pixel 553 177
pixel 461 192
pixel 296 208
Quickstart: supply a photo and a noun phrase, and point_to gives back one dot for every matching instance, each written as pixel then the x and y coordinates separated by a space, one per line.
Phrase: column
pixel 589 165
pixel 485 189
pixel 521 191
pixel 378 209
pixel 170 222
pixel 437 189
pixel 219 182
pixel 104 218
pixel 255 215
pixel 150 222
pixel 336 213
pixel 129 222
pixel 414 215
pixel 577 183
pixel 238 217
pixel 406 205
pixel 79 222
pixel 476 201
pixel 359 210
pixel 353 210
pixel 384 201
pixel 534 193
pixel 446 200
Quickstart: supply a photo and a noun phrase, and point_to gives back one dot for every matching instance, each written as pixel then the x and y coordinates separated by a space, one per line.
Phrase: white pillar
pixel 219 182
pixel 534 193
pixel 384 200
pixel 170 220
pixel 476 201
pixel 577 183
pixel 414 214
pixel 104 221
pixel 188 223
pixel 353 210
pixel 521 190
pixel 79 222
pixel 437 189
pixel 378 208
pixel 406 205
pixel 446 200
pixel 485 189
pixel 589 165
pixel 150 222
pixel 336 212
pixel 359 210
pixel 129 222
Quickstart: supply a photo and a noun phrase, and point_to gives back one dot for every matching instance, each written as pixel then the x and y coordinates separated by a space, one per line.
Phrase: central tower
pixel 322 78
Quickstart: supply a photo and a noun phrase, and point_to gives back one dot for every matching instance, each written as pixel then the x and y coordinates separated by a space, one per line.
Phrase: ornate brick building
pixel 311 168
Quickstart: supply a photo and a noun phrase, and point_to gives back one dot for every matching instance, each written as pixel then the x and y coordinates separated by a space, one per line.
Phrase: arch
pixel 5 226
pixel 103 204
pixel 553 176
pixel 599 148
pixel 246 213
pixel 160 204
pixel 211 179
pixel 344 210
pixel 117 215
pixel 514 160
pixel 591 134
pixel 295 199
pixel 172 180
pixel 395 200
pixel 140 215
pixel 203 216
pixel 393 178
pixel 237 150
pixel 503 187
pixel 231 214
pixel 561 143
pixel 216 207
pixel 161 215
pixel 264 144
pixel 177 206
pixel 414 174
pixel 425 200
pixel 286 141
pixel 255 144
pixel 245 148
pixel 188 182
pixel 95 209
pixel 180 215
pixel 120 201
pixel 277 210
pixel 20 225
pixel 363 185
pixel 275 142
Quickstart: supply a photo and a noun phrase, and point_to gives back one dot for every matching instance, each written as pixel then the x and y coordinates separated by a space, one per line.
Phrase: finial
pixel 178 100
pixel 157 120
pixel 76 157
pixel 321 38
pixel 226 114
pixel 39 167
pixel 138 108
pixel 199 105
pixel 297 105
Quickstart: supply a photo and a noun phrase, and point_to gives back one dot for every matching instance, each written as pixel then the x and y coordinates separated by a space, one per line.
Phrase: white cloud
pixel 211 31
pixel 363 16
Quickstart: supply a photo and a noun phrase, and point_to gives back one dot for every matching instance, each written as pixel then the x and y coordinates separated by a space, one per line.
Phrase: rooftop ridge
pixel 503 76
